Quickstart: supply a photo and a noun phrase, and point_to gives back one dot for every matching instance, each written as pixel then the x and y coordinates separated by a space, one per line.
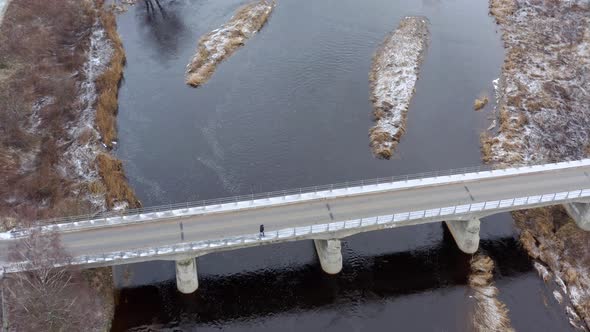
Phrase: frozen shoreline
pixel 543 97
pixel 393 77
pixel 221 43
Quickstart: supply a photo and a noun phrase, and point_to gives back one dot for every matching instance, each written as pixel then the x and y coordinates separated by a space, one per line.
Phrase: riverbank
pixel 52 141
pixel 543 97
pixel 393 77
pixel 221 43
pixel 54 156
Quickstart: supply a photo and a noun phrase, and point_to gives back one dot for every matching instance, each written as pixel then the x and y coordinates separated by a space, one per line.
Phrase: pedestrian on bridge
pixel 261 230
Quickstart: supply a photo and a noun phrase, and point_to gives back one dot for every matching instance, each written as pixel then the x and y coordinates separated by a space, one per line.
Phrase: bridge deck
pixel 168 231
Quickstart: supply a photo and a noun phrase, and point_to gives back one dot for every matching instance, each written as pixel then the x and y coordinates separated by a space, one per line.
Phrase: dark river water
pixel 291 109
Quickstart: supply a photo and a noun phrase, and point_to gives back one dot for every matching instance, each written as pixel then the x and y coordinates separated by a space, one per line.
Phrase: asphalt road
pixel 320 211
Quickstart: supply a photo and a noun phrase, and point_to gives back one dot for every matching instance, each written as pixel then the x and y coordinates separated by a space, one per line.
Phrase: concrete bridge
pixel 324 214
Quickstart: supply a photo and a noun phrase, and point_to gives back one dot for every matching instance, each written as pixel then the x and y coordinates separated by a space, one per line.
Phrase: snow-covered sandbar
pixel 392 79
pixel 220 43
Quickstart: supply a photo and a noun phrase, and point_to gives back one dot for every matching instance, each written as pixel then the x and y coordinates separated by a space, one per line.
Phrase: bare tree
pixel 46 297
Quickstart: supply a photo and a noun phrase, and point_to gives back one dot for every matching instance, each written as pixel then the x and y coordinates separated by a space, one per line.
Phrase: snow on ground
pixel 121 6
pixel 220 43
pixel 393 77
pixel 545 85
pixel 489 314
pixel 543 116
pixel 79 162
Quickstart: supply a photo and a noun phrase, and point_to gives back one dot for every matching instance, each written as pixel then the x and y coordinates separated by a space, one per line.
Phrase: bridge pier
pixel 465 233
pixel 580 212
pixel 187 280
pixel 329 254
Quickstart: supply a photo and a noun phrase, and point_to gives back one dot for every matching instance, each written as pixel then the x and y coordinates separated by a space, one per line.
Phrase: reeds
pixel 501 9
pixel 108 83
pixel 480 103
pixel 221 43
pixel 117 189
pixel 489 315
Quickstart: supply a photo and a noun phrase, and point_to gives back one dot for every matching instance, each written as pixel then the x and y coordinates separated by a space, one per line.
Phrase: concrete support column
pixel 580 212
pixel 187 280
pixel 466 234
pixel 329 254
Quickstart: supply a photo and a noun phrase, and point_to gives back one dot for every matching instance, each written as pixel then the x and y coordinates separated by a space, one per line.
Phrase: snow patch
pixel 543 97
pixel 80 154
pixel 393 79
pixel 223 42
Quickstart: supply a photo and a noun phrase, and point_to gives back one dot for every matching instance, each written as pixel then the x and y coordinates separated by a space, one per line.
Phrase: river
pixel 291 109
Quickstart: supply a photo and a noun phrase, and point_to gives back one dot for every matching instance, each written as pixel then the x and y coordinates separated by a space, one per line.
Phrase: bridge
pixel 325 214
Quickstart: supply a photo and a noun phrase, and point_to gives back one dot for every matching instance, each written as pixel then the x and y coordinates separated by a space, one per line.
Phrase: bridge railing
pixel 303 190
pixel 293 233
pixel 269 194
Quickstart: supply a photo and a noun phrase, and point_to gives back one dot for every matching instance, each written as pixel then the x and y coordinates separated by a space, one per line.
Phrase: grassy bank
pixel 108 83
pixel 544 93
pixel 56 106
pixel 43 49
pixel 115 183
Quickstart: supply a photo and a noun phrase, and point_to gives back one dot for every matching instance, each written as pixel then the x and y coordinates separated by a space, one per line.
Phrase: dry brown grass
pixel 44 45
pixel 243 14
pixel 486 142
pixel 43 48
pixel 500 9
pixel 504 120
pixel 96 188
pixel 489 313
pixel 378 114
pixel 202 65
pixel 481 271
pixel 548 234
pixel 383 143
pixel 379 136
pixel 383 75
pixel 52 37
pixel 108 83
pixel 100 280
pixel 480 103
pixel 383 152
pixel 115 182
pixel 203 75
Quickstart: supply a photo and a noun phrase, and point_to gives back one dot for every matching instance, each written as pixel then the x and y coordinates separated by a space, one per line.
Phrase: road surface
pixel 319 211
